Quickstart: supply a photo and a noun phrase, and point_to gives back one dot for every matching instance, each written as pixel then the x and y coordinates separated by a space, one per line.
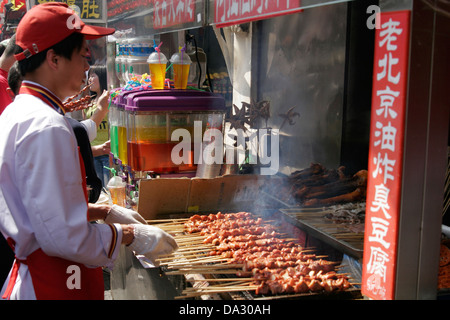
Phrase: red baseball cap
pixel 48 23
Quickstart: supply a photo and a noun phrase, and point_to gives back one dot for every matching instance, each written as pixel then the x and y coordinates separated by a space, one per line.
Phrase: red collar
pixel 43 94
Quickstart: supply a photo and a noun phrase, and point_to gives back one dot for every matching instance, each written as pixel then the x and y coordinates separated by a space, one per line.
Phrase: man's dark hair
pixel 64 48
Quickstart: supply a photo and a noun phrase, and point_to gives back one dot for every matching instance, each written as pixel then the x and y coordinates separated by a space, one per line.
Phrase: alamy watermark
pixel 262 148
pixel 373 22
pixel 74 280
pixel 74 20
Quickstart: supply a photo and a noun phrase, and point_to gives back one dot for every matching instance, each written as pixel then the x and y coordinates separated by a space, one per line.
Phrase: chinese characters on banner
pixel 88 10
pixel 385 155
pixel 228 12
pixel 172 12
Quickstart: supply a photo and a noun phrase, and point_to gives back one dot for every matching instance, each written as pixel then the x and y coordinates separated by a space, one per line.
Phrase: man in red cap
pixel 43 201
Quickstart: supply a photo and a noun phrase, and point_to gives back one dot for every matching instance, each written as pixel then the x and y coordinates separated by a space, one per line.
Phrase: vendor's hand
pixel 152 242
pixel 122 215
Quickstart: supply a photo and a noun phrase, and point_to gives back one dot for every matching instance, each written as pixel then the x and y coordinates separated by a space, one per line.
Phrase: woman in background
pixel 98 113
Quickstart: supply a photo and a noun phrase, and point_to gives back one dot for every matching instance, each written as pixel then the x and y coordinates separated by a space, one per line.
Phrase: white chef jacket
pixel 42 202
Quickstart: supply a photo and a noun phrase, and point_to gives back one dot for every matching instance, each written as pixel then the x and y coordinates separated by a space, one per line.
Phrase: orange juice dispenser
pixel 152 118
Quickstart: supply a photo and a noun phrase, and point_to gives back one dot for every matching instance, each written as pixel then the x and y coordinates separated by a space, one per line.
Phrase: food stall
pixel 334 124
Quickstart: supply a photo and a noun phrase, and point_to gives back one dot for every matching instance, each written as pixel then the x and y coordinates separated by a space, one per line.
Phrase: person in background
pixel 6 61
pixel 13 84
pixel 3 45
pixel 98 113
pixel 45 215
pixel 14 81
pixel 6 254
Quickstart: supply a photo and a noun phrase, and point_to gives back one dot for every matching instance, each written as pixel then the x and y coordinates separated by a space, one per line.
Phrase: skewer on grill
pixel 222 280
pixel 201 271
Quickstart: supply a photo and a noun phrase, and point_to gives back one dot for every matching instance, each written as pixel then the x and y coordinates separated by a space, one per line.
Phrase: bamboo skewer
pixel 223 280
pixel 200 271
pixel 199 268
pixel 212 268
pixel 184 240
pixel 185 253
pixel 206 285
pixel 190 239
pixel 202 246
pixel 220 288
pixel 184 256
pixel 186 245
pixel 192 257
pixel 217 290
pixel 167 220
pixel 175 224
pixel 195 261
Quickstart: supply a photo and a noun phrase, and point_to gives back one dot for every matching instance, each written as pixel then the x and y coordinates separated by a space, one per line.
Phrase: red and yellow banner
pixel 386 155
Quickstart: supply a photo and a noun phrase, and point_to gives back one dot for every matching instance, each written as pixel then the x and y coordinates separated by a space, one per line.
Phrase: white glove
pixel 152 242
pixel 122 215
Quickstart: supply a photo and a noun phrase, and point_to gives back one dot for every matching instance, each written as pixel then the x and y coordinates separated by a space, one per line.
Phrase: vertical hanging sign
pixel 385 155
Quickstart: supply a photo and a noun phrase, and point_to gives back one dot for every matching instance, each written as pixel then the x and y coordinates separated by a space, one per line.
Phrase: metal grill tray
pixel 312 221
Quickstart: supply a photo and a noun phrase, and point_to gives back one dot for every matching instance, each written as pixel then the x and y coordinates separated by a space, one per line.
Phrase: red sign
pixel 385 155
pixel 229 12
pixel 169 13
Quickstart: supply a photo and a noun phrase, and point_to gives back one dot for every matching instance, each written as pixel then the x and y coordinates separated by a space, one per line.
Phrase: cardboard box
pixel 181 195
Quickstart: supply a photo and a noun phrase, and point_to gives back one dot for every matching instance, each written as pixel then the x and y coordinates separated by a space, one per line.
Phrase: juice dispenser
pixel 152 117
pixel 119 62
pixel 139 49
pixel 113 120
pixel 117 123
pixel 111 55
pixel 122 135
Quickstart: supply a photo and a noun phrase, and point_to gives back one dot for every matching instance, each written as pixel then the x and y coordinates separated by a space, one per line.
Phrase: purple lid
pixel 121 97
pixel 174 100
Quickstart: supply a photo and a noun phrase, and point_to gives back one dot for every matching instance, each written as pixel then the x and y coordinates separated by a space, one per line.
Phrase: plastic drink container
pixel 122 136
pixel 117 189
pixel 180 64
pixel 139 50
pixel 119 61
pixel 157 62
pixel 153 116
pixel 113 116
